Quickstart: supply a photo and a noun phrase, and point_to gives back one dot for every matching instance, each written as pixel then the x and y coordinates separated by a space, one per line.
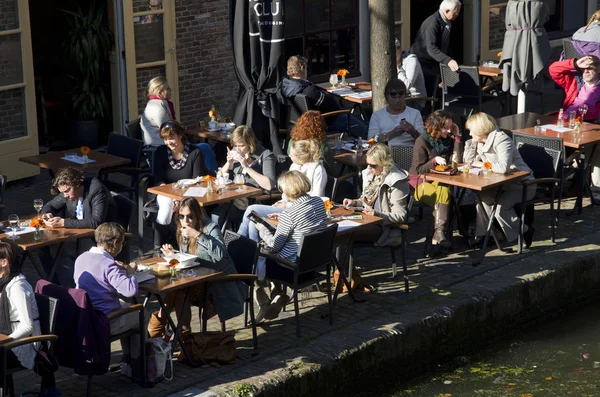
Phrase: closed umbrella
pixel 256 29
pixel 526 49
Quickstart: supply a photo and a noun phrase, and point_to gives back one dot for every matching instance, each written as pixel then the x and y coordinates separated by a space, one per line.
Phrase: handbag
pixel 44 359
pixel 211 347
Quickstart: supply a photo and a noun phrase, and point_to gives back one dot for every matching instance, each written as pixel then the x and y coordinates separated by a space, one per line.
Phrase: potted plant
pixel 87 46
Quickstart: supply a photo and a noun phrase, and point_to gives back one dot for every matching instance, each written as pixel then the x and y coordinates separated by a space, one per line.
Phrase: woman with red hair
pixel 310 125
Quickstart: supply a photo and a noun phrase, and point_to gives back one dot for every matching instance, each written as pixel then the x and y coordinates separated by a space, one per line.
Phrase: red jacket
pixel 564 74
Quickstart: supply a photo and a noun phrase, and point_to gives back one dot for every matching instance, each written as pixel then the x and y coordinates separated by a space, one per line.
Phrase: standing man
pixel 432 43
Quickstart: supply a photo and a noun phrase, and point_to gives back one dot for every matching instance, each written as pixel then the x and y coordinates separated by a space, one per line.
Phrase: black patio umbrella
pixel 526 49
pixel 258 49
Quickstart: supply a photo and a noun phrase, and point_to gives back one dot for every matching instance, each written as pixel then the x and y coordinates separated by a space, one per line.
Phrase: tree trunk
pixel 383 53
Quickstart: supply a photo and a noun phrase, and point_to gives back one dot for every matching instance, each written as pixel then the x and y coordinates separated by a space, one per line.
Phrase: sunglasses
pixel 395 94
pixel 169 124
pixel 190 217
pixel 374 166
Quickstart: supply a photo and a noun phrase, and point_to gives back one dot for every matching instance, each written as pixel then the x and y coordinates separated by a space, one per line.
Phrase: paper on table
pixel 556 128
pixel 364 94
pixel 78 160
pixel 342 91
pixel 21 230
pixel 195 192
pixel 345 224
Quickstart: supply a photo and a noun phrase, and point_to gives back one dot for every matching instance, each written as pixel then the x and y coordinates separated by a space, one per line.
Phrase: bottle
pixel 560 122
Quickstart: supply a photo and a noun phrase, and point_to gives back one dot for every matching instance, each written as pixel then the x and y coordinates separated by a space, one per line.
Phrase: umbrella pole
pixel 521 101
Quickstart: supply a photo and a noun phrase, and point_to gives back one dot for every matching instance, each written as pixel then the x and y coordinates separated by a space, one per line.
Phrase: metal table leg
pixel 489 230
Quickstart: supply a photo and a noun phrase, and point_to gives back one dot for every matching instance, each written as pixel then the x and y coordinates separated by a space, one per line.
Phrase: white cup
pixel 325 199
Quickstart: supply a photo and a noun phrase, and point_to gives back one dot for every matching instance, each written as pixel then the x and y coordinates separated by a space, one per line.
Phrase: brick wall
pixel 8 15
pixel 143 77
pixel 497 27
pixel 12 114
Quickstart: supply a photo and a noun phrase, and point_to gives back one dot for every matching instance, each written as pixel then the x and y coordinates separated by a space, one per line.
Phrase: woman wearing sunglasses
pixel 173 161
pixel 385 194
pixel 432 149
pixel 396 124
pixel 196 235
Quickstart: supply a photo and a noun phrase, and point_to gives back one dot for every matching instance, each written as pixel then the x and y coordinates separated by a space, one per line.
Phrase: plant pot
pixel 85 133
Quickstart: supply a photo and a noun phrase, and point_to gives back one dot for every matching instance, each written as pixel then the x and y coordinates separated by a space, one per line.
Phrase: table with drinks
pixel 93 161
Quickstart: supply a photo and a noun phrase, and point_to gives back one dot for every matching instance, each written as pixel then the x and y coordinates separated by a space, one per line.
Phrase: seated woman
pixel 306 214
pixel 305 157
pixel 196 235
pixel 105 279
pixel 175 160
pixel 384 194
pixel 310 125
pixel 489 144
pixel 432 149
pixel 254 162
pixel 19 316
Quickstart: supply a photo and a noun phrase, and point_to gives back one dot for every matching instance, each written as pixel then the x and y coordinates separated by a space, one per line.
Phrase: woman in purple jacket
pixel 104 279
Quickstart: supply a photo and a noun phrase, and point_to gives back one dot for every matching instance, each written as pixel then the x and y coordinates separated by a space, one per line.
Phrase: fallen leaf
pixel 447 382
pixel 585 355
pixel 548 378
pixel 508 388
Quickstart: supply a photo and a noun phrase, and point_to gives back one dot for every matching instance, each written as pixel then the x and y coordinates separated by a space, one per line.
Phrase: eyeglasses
pixel 395 94
pixel 190 217
pixel 374 166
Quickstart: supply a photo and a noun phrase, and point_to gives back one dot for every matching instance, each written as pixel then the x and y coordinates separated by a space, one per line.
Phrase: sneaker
pixel 261 313
pixel 126 370
pixel 50 392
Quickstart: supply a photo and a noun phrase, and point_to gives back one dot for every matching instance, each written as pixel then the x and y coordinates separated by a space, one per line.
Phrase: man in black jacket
pixel 432 42
pixel 296 83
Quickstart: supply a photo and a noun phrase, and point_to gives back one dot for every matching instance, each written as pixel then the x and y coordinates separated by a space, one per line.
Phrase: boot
pixel 440 219
pixel 161 235
pixel 157 326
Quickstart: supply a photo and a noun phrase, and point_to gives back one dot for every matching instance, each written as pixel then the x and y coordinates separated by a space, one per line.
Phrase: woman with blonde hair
pixel 432 149
pixel 490 144
pixel 384 194
pixel 159 109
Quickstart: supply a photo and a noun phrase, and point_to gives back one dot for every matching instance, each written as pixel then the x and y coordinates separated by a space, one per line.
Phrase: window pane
pixel 143 78
pixel 553 23
pixel 344 49
pixel 317 52
pixel 9 15
pixel 397 10
pixel 146 5
pixel 574 15
pixel 398 33
pixel 11 66
pixel 294 47
pixel 316 14
pixel 13 123
pixel 497 27
pixel 293 18
pixel 343 13
pixel 149 39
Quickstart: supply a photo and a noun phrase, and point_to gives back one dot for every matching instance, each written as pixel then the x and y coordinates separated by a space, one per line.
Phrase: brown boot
pixel 157 326
pixel 440 221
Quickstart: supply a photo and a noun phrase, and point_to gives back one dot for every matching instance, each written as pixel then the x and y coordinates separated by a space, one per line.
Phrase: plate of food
pixel 187 182
pixel 182 261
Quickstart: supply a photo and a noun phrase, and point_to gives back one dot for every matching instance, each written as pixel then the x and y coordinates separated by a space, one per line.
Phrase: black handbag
pixel 44 361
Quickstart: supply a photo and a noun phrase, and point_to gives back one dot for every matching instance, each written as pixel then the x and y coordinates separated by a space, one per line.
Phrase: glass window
pixel 565 17
pixel 11 66
pixel 9 15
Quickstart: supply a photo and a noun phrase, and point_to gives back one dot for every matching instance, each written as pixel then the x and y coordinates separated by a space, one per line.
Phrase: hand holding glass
pixel 583 110
pixel 240 181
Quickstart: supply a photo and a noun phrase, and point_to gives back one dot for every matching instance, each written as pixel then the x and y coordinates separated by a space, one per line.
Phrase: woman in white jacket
pixel 490 144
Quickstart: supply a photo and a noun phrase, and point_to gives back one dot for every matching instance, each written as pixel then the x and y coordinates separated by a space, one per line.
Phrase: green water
pixel 558 358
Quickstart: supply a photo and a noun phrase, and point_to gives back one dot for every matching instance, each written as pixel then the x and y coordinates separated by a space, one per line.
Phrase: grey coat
pixel 229 296
pixel 526 49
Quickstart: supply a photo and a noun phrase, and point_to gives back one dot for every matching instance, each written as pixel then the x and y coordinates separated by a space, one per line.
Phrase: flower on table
pixel 85 150
pixel 213 114
pixel 487 165
pixel 328 205
pixel 208 178
pixel 37 222
pixel 343 72
pixel 500 54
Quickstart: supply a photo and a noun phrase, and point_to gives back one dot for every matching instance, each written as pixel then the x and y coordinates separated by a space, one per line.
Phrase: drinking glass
pixel 37 205
pixel 572 116
pixel 13 220
pixel 240 181
pixel 333 79
pixel 583 110
pixel 338 142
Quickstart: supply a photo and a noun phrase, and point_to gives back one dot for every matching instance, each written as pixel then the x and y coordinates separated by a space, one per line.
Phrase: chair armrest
pixel 120 169
pixel 284 262
pixel 335 113
pixel 28 340
pixel 126 310
pixel 537 181
pixel 345 177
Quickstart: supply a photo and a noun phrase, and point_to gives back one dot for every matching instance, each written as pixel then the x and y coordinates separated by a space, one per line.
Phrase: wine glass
pixel 38 204
pixel 333 79
pixel 13 220
pixel 240 181
pixel 583 108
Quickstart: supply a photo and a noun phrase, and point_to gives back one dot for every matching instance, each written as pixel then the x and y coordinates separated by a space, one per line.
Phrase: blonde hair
pixel 296 65
pixel 293 184
pixel 244 134
pixel 156 85
pixel 480 124
pixel 382 156
pixel 594 18
pixel 307 151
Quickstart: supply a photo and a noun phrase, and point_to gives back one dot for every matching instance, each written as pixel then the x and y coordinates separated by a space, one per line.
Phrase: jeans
pixel 248 228
pixel 357 127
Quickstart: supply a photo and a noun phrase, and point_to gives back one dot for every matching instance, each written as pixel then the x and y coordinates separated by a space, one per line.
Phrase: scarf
pixel 169 103
pixel 179 164
pixel 441 145
pixel 370 193
pixel 4 304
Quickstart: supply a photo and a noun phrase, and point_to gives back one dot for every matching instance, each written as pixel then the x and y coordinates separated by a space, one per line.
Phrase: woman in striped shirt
pixel 305 215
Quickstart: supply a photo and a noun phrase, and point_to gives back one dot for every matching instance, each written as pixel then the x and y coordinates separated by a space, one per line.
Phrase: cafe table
pixel 206 134
pixel 585 141
pixel 479 184
pixel 183 281
pixel 55 160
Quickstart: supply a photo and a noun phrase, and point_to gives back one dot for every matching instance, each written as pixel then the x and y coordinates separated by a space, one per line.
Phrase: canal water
pixel 557 358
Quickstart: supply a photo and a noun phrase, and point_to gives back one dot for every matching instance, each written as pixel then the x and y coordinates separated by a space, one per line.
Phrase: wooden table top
pixel 209 198
pixel 159 285
pixel 589 135
pixel 53 161
pixel 350 159
pixel 477 182
pixel 50 236
pixel 523 120
pixel 4 339
pixel 203 132
pixel 489 71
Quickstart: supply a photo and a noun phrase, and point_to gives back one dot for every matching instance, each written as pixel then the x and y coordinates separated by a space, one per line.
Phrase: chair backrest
pixel 542 141
pixel 465 82
pixel 542 161
pixel 242 250
pixel 314 250
pixel 133 129
pixel 402 156
pixel 47 307
pixel 125 208
pixel 126 147
pixel 569 50
pixel 331 187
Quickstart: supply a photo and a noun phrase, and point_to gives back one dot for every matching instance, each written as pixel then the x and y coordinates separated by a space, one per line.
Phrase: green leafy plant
pixel 243 389
pixel 88 44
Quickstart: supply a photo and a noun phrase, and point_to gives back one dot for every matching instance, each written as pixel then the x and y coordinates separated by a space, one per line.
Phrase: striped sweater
pixel 306 215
